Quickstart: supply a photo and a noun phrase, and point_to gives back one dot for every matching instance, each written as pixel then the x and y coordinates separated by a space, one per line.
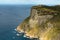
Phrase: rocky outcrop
pixel 43 23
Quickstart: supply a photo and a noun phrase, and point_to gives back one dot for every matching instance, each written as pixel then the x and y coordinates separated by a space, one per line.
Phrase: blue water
pixel 10 17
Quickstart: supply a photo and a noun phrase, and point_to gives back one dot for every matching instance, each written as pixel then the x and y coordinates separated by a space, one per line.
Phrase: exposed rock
pixel 43 23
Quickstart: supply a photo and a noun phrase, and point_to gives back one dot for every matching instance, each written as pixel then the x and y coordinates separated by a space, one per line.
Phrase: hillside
pixel 43 23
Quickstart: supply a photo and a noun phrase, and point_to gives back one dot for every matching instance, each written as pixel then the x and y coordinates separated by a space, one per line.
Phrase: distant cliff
pixel 43 23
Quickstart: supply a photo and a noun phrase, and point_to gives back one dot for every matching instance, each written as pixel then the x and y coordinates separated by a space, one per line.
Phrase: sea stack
pixel 43 23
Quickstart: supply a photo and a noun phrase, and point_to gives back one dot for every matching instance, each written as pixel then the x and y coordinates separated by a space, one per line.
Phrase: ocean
pixel 10 17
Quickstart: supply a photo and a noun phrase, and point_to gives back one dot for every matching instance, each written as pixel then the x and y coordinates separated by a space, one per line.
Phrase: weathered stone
pixel 43 23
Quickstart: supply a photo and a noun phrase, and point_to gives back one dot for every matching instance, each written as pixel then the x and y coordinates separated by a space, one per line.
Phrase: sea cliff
pixel 43 23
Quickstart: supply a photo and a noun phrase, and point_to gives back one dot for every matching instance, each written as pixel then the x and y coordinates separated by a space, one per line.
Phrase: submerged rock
pixel 43 23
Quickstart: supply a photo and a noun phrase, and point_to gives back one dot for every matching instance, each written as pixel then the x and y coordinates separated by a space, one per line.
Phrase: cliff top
pixel 47 9
pixel 55 8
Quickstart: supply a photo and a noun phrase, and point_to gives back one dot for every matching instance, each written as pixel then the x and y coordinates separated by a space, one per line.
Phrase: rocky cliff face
pixel 43 23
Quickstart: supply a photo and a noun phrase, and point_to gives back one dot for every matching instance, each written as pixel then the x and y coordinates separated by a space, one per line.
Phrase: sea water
pixel 10 17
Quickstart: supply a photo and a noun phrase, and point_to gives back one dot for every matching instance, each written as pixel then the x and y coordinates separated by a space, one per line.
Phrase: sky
pixel 46 2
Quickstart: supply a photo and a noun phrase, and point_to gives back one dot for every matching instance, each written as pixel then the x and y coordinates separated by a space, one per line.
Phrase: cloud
pixel 29 1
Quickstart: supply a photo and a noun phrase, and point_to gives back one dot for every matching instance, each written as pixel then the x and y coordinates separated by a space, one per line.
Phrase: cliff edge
pixel 43 23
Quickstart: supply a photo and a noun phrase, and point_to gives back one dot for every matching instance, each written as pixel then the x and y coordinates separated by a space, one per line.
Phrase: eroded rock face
pixel 43 23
